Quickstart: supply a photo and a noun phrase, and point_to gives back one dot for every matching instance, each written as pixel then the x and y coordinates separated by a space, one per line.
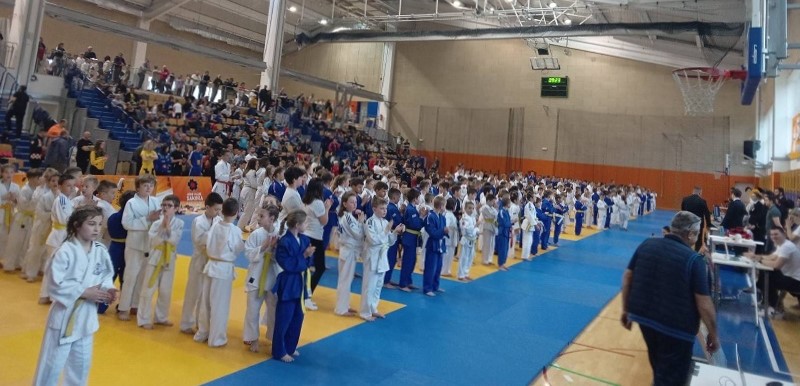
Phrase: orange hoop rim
pixel 713 73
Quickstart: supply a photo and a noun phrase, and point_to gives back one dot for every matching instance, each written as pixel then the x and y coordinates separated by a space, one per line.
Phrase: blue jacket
pixel 435 225
pixel 333 217
pixel 580 209
pixel 291 283
pixel 503 224
pixel 277 189
pixel 393 214
pixel 543 217
pixel 413 223
pixel 115 228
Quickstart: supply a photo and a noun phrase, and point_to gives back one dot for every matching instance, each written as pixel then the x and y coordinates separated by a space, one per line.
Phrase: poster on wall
pixel 192 191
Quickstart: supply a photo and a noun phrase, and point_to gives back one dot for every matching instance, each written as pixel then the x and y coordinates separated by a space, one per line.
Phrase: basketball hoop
pixel 700 85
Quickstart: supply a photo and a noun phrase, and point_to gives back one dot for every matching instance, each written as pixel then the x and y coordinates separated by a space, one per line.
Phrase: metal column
pixel 26 27
pixel 273 46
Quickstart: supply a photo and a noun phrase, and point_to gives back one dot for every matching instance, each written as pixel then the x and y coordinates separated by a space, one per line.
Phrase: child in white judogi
pixel 469 236
pixel 222 175
pixel 88 185
pixel 9 192
pixel 164 235
pixel 194 285
pixel 37 253
pixel 602 211
pixel 139 214
pixel 488 228
pixel 223 245
pixel 106 191
pixel 19 237
pixel 351 245
pixel 529 225
pixel 261 275
pixel 248 197
pixel 59 215
pixel 624 212
pixel 513 212
pixel 379 237
pixel 80 279
pixel 428 205
pixel 452 241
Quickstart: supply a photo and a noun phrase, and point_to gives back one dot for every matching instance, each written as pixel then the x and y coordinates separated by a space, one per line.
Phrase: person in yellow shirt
pixel 98 158
pixel 148 155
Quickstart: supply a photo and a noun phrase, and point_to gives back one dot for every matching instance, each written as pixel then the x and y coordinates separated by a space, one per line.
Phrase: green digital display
pixel 555 86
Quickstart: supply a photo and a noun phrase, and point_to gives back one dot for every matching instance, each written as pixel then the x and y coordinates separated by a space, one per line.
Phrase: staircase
pixel 110 118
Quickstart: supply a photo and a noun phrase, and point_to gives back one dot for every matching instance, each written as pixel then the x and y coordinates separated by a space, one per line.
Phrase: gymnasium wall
pixel 338 62
pixel 640 111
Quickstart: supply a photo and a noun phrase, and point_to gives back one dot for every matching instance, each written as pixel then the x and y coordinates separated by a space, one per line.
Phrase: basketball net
pixel 700 85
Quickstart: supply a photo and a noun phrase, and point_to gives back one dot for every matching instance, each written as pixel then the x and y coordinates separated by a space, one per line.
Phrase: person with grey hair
pixel 666 291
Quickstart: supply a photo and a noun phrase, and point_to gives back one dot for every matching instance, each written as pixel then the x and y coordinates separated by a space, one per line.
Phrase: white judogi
pixel 451 241
pixel 424 236
pixel 488 231
pixel 222 174
pixel 194 285
pixel 264 183
pixel 8 194
pixel 624 213
pixel 259 283
pixel 376 263
pixel 236 189
pixel 248 198
pixel 37 253
pixel 20 234
pixel 469 235
pixel 137 246
pixel 224 243
pixel 72 321
pixel 602 212
pixel 351 245
pixel 59 216
pixel 513 212
pixel 159 272
pixel 528 227
pixel 108 210
pixel 79 201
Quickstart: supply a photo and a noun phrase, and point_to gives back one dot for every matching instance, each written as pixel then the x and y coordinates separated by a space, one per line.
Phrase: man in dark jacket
pixel 734 216
pixel 665 290
pixel 57 156
pixel 18 104
pixel 698 206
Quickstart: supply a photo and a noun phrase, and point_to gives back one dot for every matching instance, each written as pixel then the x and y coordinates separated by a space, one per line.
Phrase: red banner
pixel 191 190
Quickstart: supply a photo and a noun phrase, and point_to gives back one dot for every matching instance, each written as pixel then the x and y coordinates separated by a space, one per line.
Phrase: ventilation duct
pixel 611 29
pixel 204 31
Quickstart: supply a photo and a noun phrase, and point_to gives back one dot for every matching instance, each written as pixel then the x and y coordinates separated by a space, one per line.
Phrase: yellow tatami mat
pixel 127 355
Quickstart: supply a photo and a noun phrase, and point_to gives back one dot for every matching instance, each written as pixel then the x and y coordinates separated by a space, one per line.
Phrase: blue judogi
pixel 301 190
pixel 642 202
pixel 292 290
pixel 117 247
pixel 277 189
pixel 559 211
pixel 435 225
pixel 595 198
pixel 649 202
pixel 392 214
pixel 409 240
pixel 367 208
pixel 548 211
pixel 333 217
pixel 609 208
pixel 503 237
pixel 580 212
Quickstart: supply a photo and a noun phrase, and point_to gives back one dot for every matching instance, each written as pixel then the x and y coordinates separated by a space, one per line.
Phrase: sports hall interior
pixel 474 102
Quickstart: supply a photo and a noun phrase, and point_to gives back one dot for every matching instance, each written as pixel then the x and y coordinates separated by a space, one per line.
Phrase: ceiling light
pixel 553 4
pixel 509 1
pixel 293 9
pixel 323 22
pixel 491 9
pixel 567 21
pixel 457 4
pixel 340 29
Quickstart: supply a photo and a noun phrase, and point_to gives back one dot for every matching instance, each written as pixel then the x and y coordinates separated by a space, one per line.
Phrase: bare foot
pixel 350 310
pixel 447 275
pixel 134 311
pixel 405 289
pixel 44 301
pixel 348 313
pixel 389 286
pixel 370 319
pixel 441 290
pixel 379 315
pixel 254 346
pixel 503 268
pixel 469 278
pixel 30 279
pixel 296 353
pixel 124 315
pixel 462 279
pixel 431 294
pixel 188 331
pixel 147 326
pixel 166 323
pixel 287 359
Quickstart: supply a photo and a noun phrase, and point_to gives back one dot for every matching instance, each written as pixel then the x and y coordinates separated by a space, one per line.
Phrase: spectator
pixel 119 64
pixel 37 148
pixel 89 54
pixel 215 87
pixel 57 156
pixel 734 216
pixel 695 204
pixel 84 148
pixel 17 106
pixel 40 53
pixel 98 158
pixel 786 274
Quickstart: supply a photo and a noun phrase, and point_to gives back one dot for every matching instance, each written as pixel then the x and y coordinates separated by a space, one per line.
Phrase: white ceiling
pixel 243 22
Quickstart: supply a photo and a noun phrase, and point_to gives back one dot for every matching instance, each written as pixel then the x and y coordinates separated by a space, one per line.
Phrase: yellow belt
pixel 413 232
pixel 490 221
pixel 27 213
pixel 263 281
pixel 580 211
pixel 121 241
pixel 59 226
pixel 8 211
pixel 71 322
pixel 166 250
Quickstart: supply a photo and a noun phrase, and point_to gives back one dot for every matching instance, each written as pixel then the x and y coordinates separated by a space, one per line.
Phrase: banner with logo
pixel 192 191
